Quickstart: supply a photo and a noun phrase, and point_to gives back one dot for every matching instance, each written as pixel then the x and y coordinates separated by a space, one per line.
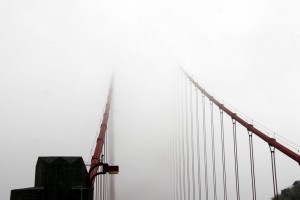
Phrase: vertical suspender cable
pixel 105 176
pixel 175 161
pixel 175 156
pixel 205 151
pixel 187 140
pixel 175 165
pixel 179 170
pixel 107 160
pixel 183 146
pixel 252 165
pixel 103 187
pixel 213 149
pixel 96 189
pixel 170 169
pixel 171 163
pixel 274 175
pixel 237 183
pixel 179 144
pixel 223 155
pixel 177 125
pixel 176 145
pixel 171 166
pixel 198 145
pixel 192 141
pixel 100 187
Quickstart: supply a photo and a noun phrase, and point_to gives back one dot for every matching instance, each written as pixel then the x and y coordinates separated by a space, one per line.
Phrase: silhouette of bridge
pixel 204 141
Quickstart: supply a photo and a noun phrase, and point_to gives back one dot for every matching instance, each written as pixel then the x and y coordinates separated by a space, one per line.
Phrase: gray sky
pixel 56 59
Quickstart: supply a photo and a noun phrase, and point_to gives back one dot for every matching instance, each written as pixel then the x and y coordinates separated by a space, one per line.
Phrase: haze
pixel 56 60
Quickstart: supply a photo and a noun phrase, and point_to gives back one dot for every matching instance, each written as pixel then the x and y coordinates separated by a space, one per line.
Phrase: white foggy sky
pixel 56 59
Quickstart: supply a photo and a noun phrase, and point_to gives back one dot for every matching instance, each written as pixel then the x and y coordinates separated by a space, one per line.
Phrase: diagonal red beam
pixel 100 140
pixel 271 141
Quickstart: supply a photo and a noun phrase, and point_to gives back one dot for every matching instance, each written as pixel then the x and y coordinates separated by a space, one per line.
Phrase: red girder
pixel 100 140
pixel 271 141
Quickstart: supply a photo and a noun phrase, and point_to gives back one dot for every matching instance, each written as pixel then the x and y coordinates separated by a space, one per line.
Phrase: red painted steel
pixel 271 141
pixel 100 140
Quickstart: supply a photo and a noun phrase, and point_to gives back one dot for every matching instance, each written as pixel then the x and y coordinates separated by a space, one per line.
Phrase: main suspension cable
pixel 223 155
pixel 213 149
pixel 100 140
pixel 288 152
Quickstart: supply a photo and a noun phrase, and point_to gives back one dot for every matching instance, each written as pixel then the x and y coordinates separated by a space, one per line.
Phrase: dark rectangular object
pixel 58 178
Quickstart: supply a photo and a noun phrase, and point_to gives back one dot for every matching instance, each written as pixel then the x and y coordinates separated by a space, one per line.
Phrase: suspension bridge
pixel 207 159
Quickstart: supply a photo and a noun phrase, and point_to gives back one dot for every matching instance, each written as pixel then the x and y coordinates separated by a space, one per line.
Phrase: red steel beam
pixel 100 140
pixel 271 141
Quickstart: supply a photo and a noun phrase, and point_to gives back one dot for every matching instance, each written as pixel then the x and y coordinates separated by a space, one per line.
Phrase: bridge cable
pixel 96 189
pixel 179 150
pixel 187 139
pixel 198 145
pixel 213 149
pixel 205 151
pixel 274 175
pixel 237 184
pixel 99 187
pixel 170 167
pixel 192 141
pixel 102 192
pixel 177 127
pixel 175 158
pixel 170 170
pixel 104 175
pixel 223 155
pixel 178 139
pixel 288 152
pixel 107 161
pixel 183 146
pixel 176 152
pixel 252 165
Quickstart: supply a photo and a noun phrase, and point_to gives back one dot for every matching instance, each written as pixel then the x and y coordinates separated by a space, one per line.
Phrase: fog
pixel 57 57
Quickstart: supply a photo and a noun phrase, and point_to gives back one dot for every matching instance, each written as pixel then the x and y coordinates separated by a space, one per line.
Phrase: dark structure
pixel 58 178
